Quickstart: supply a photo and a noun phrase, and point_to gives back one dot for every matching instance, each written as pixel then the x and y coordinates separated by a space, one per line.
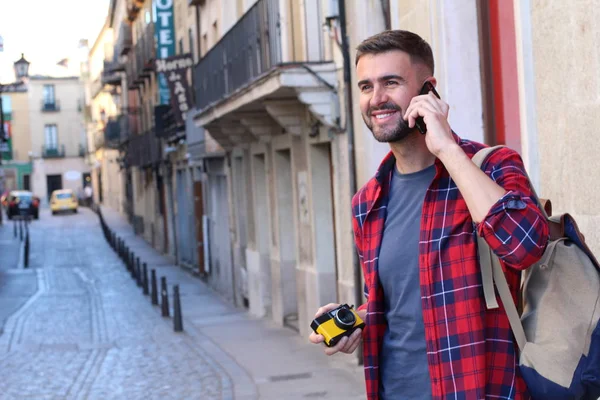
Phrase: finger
pixel 353 342
pixel 332 350
pixel 419 110
pixel 430 99
pixel 439 104
pixel 316 339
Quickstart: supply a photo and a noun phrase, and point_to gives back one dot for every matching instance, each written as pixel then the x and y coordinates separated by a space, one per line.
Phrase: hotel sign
pixel 164 32
pixel 176 70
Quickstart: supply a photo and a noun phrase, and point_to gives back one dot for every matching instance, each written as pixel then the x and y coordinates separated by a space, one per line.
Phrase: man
pixel 88 193
pixel 428 333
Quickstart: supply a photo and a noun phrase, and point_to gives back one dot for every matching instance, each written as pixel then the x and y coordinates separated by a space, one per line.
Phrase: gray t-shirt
pixel 404 371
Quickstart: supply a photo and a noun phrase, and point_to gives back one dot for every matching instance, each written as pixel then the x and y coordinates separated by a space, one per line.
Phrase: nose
pixel 379 96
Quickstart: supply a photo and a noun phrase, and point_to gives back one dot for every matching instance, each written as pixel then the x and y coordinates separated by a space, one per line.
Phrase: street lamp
pixel 21 68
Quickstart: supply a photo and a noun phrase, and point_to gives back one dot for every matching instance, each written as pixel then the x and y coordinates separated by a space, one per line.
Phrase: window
pixel 204 44
pixel 49 97
pixel 215 37
pixel 51 135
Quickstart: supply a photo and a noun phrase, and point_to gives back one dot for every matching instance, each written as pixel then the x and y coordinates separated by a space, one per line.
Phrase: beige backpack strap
pixel 485 261
pixel 491 271
pixel 509 305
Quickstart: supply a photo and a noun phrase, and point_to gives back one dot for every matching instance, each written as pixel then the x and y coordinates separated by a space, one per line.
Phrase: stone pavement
pixel 88 332
pixel 17 285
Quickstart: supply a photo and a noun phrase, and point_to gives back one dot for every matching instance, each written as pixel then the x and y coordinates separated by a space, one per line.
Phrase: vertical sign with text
pixel 164 33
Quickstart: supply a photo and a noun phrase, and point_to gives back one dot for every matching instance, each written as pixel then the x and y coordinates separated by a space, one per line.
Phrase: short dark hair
pixel 411 43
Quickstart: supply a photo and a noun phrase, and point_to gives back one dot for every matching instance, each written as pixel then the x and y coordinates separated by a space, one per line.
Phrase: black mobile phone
pixel 427 87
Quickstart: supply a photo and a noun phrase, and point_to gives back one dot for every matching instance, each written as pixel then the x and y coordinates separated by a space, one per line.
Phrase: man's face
pixel 387 83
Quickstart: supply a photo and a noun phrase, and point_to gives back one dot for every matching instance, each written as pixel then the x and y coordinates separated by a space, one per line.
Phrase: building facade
pixel 15 151
pixel 58 135
pixel 252 188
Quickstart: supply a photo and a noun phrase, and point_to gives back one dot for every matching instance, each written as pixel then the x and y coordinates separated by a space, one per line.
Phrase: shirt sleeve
pixel 515 228
pixel 357 241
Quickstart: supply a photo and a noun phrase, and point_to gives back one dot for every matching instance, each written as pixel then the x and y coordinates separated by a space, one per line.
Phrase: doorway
pixel 324 221
pixel 26 182
pixel 263 244
pixel 287 241
pixel 53 182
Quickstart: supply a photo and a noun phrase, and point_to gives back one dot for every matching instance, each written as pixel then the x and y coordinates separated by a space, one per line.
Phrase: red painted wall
pixel 504 73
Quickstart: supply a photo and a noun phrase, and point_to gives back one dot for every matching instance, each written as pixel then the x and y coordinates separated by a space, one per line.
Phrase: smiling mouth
pixel 381 117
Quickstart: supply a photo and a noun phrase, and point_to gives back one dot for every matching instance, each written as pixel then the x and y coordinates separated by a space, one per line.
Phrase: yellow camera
pixel 336 324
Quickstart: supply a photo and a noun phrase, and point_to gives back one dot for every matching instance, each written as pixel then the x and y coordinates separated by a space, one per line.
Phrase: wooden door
pixel 198 213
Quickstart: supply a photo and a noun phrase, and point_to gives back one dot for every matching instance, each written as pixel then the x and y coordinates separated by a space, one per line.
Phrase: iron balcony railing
pixel 116 131
pixel 249 49
pixel 50 106
pixel 110 74
pixel 144 150
pixel 145 53
pixel 124 41
pixel 52 151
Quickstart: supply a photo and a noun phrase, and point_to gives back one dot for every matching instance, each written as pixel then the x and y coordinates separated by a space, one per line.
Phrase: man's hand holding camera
pixel 346 344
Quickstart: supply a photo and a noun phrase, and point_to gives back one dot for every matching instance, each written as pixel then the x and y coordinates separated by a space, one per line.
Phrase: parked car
pixel 63 200
pixel 22 203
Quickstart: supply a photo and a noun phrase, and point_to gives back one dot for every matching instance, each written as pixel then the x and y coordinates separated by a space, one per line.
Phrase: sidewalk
pixel 17 285
pixel 263 360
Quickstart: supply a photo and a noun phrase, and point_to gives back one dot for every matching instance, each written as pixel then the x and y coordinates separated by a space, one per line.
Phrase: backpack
pixel 558 330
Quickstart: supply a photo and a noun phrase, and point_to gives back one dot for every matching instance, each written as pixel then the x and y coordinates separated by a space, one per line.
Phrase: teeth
pixel 381 116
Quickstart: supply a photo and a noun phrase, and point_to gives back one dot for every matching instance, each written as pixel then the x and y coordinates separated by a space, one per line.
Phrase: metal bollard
pixel 138 272
pixel 154 291
pixel 177 320
pixel 26 253
pixel 145 279
pixel 164 301
pixel 15 228
pixel 132 263
pixel 21 230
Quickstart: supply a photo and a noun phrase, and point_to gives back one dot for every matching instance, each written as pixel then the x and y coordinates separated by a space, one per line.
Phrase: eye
pixel 391 83
pixel 365 88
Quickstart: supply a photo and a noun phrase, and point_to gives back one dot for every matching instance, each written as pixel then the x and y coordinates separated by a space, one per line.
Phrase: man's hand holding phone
pixel 347 344
pixel 434 114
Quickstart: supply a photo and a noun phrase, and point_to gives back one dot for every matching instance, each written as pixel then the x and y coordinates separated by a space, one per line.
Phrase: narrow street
pixel 76 326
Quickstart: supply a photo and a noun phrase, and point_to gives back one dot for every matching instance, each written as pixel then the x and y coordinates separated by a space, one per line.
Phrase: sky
pixel 47 31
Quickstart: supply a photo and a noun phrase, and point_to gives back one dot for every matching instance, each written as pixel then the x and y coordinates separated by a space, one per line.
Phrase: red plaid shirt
pixel 470 350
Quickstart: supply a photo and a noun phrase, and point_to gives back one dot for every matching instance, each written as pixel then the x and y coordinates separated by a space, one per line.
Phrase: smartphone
pixel 427 87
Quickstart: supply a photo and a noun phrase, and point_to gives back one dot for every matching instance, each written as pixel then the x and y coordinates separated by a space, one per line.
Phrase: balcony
pixel 248 50
pixel 145 52
pixel 110 73
pixel 144 150
pixel 116 132
pixel 50 106
pixel 53 151
pixel 124 41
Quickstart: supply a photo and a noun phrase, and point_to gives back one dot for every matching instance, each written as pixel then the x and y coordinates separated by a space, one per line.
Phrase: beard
pixel 389 134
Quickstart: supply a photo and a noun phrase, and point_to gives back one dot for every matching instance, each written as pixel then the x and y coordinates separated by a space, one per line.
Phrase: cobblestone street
pixel 88 332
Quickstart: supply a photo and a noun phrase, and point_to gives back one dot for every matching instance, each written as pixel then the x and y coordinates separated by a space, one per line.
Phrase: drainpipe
pixel 358 289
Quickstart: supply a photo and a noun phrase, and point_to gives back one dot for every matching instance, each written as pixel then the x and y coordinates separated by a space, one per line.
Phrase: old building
pixel 103 113
pixel 58 135
pixel 15 150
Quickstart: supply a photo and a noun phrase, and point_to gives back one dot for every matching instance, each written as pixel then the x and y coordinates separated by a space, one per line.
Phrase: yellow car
pixel 63 200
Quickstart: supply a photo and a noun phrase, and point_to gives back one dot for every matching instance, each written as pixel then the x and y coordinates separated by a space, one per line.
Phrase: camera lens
pixel 344 318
